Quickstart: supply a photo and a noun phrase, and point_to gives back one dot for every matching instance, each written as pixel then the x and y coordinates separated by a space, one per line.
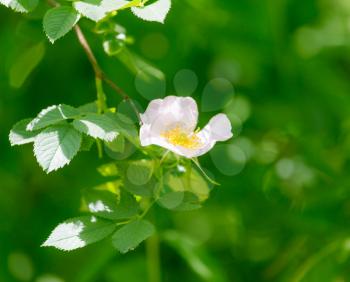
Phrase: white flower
pixel 171 123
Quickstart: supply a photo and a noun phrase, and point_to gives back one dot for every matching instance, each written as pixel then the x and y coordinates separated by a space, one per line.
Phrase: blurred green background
pixel 282 212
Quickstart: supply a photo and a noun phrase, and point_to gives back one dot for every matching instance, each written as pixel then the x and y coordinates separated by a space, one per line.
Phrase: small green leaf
pixel 155 12
pixel 96 10
pixel 25 64
pixel 56 146
pixel 97 126
pixel 189 181
pixel 51 116
pixel 59 21
pixel 139 172
pixel 117 145
pixel 22 6
pixel 109 205
pixel 131 235
pixel 19 135
pixel 78 232
pixel 179 201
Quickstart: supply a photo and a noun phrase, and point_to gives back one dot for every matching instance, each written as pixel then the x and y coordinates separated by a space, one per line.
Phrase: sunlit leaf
pixel 22 6
pixel 96 10
pixel 56 146
pixel 52 115
pixel 78 232
pixel 155 12
pixel 19 134
pixel 97 126
pixel 109 205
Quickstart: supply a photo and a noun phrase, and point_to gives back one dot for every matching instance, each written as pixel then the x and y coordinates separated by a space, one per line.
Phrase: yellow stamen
pixel 179 137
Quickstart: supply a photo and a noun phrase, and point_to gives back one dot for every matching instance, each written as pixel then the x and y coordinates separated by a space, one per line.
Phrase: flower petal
pixel 162 114
pixel 218 129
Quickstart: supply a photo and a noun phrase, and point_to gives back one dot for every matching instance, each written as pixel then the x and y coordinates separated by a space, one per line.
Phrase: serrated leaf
pixel 56 146
pixel 109 205
pixel 97 126
pixel 78 232
pixel 59 21
pixel 52 115
pixel 22 6
pixel 96 10
pixel 131 235
pixel 19 135
pixel 155 12
pixel 25 64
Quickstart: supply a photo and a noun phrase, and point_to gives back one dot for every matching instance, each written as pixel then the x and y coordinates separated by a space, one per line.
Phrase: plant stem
pixel 153 259
pixel 99 72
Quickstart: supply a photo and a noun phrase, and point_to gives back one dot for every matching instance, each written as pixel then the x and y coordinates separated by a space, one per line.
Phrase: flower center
pixel 179 137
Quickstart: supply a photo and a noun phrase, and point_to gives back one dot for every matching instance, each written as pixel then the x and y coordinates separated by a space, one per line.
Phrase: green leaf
pixel 96 10
pixel 59 21
pixel 155 12
pixel 190 181
pixel 139 172
pixel 88 108
pixel 131 235
pixel 179 201
pixel 19 135
pixel 22 6
pixel 109 205
pixel 117 145
pixel 52 115
pixel 126 127
pixel 78 232
pixel 97 126
pixel 25 64
pixel 86 143
pixel 56 146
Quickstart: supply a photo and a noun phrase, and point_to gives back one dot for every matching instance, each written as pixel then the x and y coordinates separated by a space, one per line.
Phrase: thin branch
pixel 99 72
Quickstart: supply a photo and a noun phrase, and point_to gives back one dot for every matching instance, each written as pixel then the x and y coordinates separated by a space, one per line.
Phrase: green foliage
pixel 97 126
pixel 56 146
pixel 78 232
pixel 131 235
pixel 19 134
pixel 111 202
pixel 52 115
pixel 59 21
pixel 22 6
pixel 155 12
pixel 96 10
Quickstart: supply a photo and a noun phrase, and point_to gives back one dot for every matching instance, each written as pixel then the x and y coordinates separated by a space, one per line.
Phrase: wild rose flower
pixel 171 123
